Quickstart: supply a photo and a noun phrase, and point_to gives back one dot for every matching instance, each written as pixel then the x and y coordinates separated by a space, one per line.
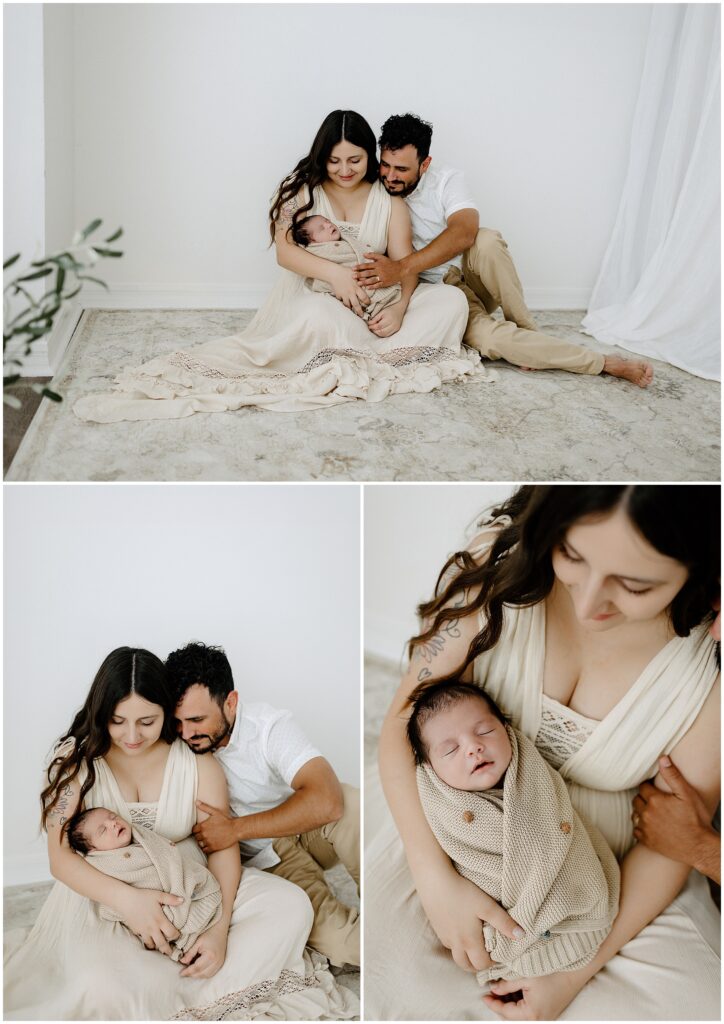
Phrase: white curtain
pixel 658 290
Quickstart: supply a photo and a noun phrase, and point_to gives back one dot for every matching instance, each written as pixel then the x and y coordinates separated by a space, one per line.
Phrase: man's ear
pixel 425 164
pixel 232 702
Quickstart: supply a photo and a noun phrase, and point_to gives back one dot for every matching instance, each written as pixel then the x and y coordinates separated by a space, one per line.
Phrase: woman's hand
pixel 542 998
pixel 207 954
pixel 347 290
pixel 388 321
pixel 143 914
pixel 456 909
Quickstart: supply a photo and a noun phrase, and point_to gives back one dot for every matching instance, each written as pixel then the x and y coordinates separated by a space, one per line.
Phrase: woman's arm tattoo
pixel 430 649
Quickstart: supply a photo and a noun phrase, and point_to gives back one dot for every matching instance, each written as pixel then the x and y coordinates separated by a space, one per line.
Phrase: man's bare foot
pixel 635 370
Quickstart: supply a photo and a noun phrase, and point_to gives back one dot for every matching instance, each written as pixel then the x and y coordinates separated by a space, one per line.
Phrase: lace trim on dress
pixel 143 814
pixel 230 1005
pixel 562 732
pixel 405 356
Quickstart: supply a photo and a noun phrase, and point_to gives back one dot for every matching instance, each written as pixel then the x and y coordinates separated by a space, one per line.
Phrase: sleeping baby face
pixel 319 229
pixel 467 745
pixel 104 830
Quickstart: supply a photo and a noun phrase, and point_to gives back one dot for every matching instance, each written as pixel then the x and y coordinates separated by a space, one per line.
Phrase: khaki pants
pixel 489 280
pixel 304 859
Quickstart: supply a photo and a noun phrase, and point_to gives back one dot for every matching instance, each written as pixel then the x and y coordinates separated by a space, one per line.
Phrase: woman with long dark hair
pixel 304 349
pixel 121 752
pixel 585 612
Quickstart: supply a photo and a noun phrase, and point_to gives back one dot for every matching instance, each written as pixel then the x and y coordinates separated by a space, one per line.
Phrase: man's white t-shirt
pixel 440 193
pixel 266 750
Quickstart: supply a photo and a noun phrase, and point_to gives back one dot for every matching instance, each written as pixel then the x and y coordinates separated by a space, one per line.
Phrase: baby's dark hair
pixel 76 833
pixel 301 232
pixel 436 698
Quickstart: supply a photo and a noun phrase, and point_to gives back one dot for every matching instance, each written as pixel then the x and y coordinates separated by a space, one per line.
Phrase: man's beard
pixel 406 190
pixel 214 741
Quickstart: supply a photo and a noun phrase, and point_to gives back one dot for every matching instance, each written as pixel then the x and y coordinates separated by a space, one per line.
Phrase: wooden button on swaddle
pixel 126 855
pixel 565 827
pixel 468 816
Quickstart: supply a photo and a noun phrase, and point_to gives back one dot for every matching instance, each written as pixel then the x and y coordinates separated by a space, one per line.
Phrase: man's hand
pixel 207 954
pixel 388 321
pixel 382 273
pixel 216 833
pixel 676 825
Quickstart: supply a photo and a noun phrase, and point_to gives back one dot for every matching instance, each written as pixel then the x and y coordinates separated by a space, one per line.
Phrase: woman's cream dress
pixel 74 966
pixel 303 350
pixel 670 971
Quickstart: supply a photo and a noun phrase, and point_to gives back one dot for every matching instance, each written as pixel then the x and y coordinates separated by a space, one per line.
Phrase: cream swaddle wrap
pixel 152 862
pixel 347 252
pixel 526 847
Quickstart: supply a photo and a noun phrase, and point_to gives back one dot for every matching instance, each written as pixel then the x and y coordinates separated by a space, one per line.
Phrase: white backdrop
pixel 156 566
pixel 409 531
pixel 186 116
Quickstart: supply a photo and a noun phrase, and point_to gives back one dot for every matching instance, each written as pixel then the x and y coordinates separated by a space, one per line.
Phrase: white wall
pixel 91 568
pixel 188 115
pixel 409 532
pixel 24 148
pixel 59 64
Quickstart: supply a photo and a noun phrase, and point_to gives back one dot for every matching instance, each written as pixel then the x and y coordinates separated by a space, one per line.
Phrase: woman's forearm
pixel 225 866
pixel 408 286
pixel 80 876
pixel 397 771
pixel 306 264
pixel 649 882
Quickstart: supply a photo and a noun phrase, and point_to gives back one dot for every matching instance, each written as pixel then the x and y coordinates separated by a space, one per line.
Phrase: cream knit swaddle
pixel 349 251
pixel 152 862
pixel 526 847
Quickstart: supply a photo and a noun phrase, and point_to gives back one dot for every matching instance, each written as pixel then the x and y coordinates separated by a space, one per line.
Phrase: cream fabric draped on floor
pixel 303 350
pixel 670 971
pixel 74 966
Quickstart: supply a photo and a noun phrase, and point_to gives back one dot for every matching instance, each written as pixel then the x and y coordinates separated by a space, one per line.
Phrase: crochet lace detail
pixel 562 732
pixel 143 814
pixel 243 1001
pixel 404 356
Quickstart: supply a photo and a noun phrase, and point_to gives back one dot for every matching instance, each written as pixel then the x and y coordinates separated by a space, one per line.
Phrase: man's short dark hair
pixel 76 832
pixel 402 130
pixel 197 663
pixel 440 697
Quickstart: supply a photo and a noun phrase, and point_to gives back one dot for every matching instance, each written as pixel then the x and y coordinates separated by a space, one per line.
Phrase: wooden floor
pixel 17 421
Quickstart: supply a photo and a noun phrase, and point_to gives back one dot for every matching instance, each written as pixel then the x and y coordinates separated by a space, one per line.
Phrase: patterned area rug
pixel 547 425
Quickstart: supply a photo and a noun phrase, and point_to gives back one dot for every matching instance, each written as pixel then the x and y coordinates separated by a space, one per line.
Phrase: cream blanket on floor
pixel 152 862
pixel 527 848
pixel 348 252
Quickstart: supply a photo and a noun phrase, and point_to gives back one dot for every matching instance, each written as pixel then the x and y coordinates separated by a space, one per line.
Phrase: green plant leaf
pixel 94 224
pixel 11 379
pixel 95 280
pixel 115 235
pixel 15 258
pixel 60 280
pixel 106 252
pixel 70 295
pixel 38 273
pixel 52 395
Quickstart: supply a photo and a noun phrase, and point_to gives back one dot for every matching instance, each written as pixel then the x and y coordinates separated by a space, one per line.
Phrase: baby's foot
pixel 635 370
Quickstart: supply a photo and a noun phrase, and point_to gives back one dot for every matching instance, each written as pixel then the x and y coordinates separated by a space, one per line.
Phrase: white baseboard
pixel 178 296
pixel 557 298
pixel 251 296
pixel 25 870
pixel 45 354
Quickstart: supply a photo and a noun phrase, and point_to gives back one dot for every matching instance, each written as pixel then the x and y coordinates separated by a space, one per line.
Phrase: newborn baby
pixel 143 858
pixel 505 818
pixel 325 239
